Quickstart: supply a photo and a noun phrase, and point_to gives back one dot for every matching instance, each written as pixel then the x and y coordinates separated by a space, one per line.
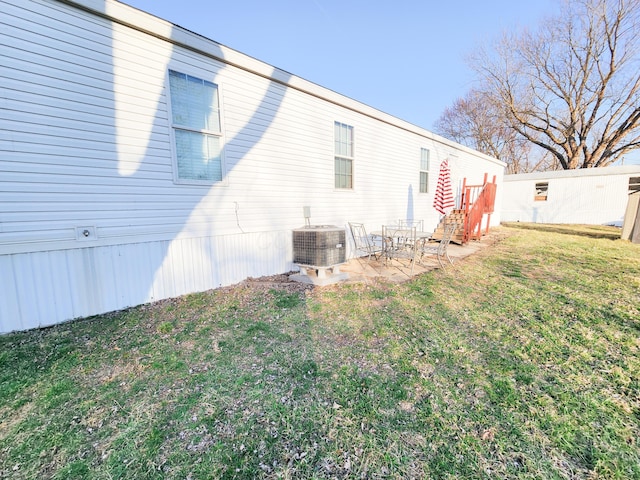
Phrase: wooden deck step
pixel 456 216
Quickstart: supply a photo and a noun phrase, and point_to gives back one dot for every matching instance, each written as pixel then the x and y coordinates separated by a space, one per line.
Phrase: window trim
pixel 174 127
pixel 634 184
pixel 427 171
pixel 350 159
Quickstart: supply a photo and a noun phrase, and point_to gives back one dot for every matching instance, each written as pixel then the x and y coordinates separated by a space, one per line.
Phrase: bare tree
pixel 479 123
pixel 572 87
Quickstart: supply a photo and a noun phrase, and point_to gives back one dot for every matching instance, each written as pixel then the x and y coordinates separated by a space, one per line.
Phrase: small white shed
pixel 595 196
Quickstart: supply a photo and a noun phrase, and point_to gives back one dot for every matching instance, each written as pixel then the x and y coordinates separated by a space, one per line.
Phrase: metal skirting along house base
pixel 319 276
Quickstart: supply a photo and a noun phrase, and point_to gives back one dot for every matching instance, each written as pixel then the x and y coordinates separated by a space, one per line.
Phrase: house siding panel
pixel 86 143
pixel 44 288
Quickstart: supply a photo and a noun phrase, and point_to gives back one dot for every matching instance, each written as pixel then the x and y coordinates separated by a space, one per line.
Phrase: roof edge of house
pixel 580 172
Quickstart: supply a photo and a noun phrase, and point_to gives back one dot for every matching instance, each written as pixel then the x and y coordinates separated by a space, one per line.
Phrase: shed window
pixel 424 170
pixel 343 151
pixel 541 191
pixel 634 184
pixel 197 135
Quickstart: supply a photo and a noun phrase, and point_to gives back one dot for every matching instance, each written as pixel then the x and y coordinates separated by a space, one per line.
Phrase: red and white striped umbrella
pixel 443 201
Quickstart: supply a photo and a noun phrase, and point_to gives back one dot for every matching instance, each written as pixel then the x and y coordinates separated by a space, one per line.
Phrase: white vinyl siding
pixel 424 170
pixel 45 288
pixel 343 155
pixel 195 115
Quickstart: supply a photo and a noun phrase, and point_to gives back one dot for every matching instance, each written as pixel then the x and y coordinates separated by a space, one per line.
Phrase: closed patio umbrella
pixel 443 201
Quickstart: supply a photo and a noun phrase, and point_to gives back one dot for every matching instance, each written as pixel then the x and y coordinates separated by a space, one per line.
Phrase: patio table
pixel 402 242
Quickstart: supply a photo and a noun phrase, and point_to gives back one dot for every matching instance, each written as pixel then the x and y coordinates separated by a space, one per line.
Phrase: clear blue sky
pixel 404 57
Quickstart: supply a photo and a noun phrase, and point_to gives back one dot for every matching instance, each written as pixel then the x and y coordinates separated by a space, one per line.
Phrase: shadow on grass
pixel 592 231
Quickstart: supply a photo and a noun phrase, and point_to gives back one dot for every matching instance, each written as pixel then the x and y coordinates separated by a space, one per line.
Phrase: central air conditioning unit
pixel 318 248
pixel 319 245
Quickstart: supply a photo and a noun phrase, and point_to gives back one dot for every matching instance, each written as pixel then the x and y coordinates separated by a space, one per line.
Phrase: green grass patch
pixel 520 362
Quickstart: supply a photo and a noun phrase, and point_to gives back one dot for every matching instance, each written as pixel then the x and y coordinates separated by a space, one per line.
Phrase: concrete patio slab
pixel 362 270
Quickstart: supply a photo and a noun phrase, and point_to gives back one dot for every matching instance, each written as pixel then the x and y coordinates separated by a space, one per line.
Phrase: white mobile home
pixel 141 161
pixel 595 196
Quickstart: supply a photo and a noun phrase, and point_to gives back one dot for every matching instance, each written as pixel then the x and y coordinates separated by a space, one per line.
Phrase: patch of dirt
pixel 277 282
pixel 122 372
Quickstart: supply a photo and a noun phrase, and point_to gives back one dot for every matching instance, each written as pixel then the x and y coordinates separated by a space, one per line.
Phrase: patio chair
pixel 400 243
pixel 365 244
pixel 441 249
pixel 419 224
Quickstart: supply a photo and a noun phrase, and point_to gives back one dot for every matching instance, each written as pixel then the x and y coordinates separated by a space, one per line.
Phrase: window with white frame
pixel 195 120
pixel 343 136
pixel 424 170
pixel 634 184
pixel 542 191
